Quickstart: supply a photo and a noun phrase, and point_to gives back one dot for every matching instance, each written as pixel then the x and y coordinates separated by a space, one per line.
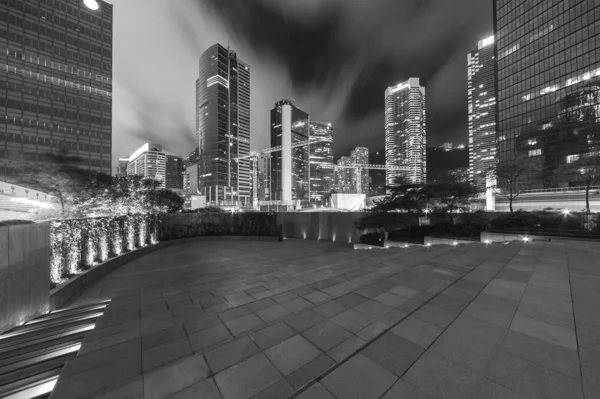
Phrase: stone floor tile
pixel 131 390
pixel 368 292
pixel 304 320
pixel 434 315
pixel 291 354
pixel 106 342
pixel 243 324
pixel 326 335
pixel 417 331
pixel 100 379
pixel 403 389
pixel 317 297
pixel 330 309
pixel 373 309
pixel 316 391
pixel 261 304
pixel 281 389
pixel 247 378
pixel 389 299
pixel 255 290
pixel 284 296
pixel 374 329
pixel 273 313
pixel 505 289
pixel 359 377
pixel 310 371
pixel 206 389
pixel 206 338
pixel 351 300
pixel 230 353
pixel 352 320
pixel 547 315
pixel 180 375
pixel 440 378
pixel 272 335
pixel 404 291
pixel 591 382
pixel 394 353
pixel 296 304
pixel 235 313
pixel 304 290
pixel 383 285
pixel 589 358
pixel 554 357
pixel 346 348
pixel 544 331
pixel 166 353
pixel 162 337
pixel 530 379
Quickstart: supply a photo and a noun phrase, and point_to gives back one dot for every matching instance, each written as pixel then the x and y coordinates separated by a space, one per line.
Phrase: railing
pixel 560 189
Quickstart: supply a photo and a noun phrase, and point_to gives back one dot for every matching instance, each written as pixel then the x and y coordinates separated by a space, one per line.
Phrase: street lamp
pixel 91 4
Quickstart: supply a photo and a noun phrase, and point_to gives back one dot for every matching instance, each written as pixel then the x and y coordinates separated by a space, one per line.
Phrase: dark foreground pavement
pixel 222 319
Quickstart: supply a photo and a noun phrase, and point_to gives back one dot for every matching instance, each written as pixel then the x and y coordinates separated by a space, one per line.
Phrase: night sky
pixel 334 57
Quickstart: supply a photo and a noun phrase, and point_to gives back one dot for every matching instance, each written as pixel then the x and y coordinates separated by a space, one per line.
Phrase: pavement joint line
pixel 575 322
pixel 377 337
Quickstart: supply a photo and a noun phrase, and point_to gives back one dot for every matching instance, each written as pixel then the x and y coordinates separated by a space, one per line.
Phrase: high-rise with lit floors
pixel 56 83
pixel 321 160
pixel 150 162
pixel 223 127
pixel 405 131
pixel 350 178
pixel 548 74
pixel 286 117
pixel 482 110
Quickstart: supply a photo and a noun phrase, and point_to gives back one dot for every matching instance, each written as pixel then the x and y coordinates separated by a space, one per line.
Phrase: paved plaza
pixel 314 320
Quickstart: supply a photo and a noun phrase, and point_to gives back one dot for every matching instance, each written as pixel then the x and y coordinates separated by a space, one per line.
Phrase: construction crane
pixel 255 155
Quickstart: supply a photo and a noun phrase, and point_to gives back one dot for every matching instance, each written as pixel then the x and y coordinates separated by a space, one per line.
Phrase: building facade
pixel 174 172
pixel 548 83
pixel 149 161
pixel 122 166
pixel 223 126
pixel 321 160
pixel 350 179
pixel 405 131
pixel 56 83
pixel 299 122
pixel 482 110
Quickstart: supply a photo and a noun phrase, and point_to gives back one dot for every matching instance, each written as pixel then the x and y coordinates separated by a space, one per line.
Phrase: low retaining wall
pixel 503 237
pixel 74 287
pixel 447 241
pixel 24 277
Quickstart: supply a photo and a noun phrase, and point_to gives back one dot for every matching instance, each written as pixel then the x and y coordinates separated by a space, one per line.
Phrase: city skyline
pixel 149 108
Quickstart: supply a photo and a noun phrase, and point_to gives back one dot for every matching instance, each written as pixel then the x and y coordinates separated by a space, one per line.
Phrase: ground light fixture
pixel 455 243
pixel 91 4
pixel 487 241
pixel 566 212
pixel 525 239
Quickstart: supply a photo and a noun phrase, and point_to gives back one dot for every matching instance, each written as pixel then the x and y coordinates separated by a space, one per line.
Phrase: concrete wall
pixel 573 200
pixel 503 237
pixel 445 241
pixel 327 226
pixel 24 273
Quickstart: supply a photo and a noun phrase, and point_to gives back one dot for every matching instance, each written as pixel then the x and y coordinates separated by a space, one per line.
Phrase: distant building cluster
pixel 152 162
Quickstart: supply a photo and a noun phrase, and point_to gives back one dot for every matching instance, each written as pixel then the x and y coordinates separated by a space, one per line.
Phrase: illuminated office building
pixel 350 180
pixel 56 83
pixel 149 161
pixel 174 172
pixel 548 74
pixel 482 111
pixel 321 160
pixel 223 126
pixel 405 131
pixel 286 116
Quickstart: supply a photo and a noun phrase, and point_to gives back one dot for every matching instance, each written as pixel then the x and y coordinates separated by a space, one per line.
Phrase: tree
pixel 327 197
pixel 512 178
pixel 585 171
pixel 403 195
pixel 56 175
pixel 452 195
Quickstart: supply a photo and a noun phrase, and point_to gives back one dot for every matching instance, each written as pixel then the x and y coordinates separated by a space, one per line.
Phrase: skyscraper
pixel 352 180
pixel 405 131
pixel 321 160
pixel 149 161
pixel 482 110
pixel 174 172
pixel 223 126
pixel 284 116
pixel 56 92
pixel 548 82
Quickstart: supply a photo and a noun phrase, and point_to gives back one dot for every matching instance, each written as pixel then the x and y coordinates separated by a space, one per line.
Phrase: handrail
pixel 560 189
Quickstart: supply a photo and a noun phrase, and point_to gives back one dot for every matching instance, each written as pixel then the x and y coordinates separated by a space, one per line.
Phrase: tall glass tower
pixel 56 83
pixel 321 176
pixel 548 76
pixel 405 131
pixel 299 121
pixel 482 110
pixel 223 127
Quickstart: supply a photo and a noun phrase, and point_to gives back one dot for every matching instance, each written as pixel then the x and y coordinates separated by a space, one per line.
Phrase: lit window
pixel 572 158
pixel 535 153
